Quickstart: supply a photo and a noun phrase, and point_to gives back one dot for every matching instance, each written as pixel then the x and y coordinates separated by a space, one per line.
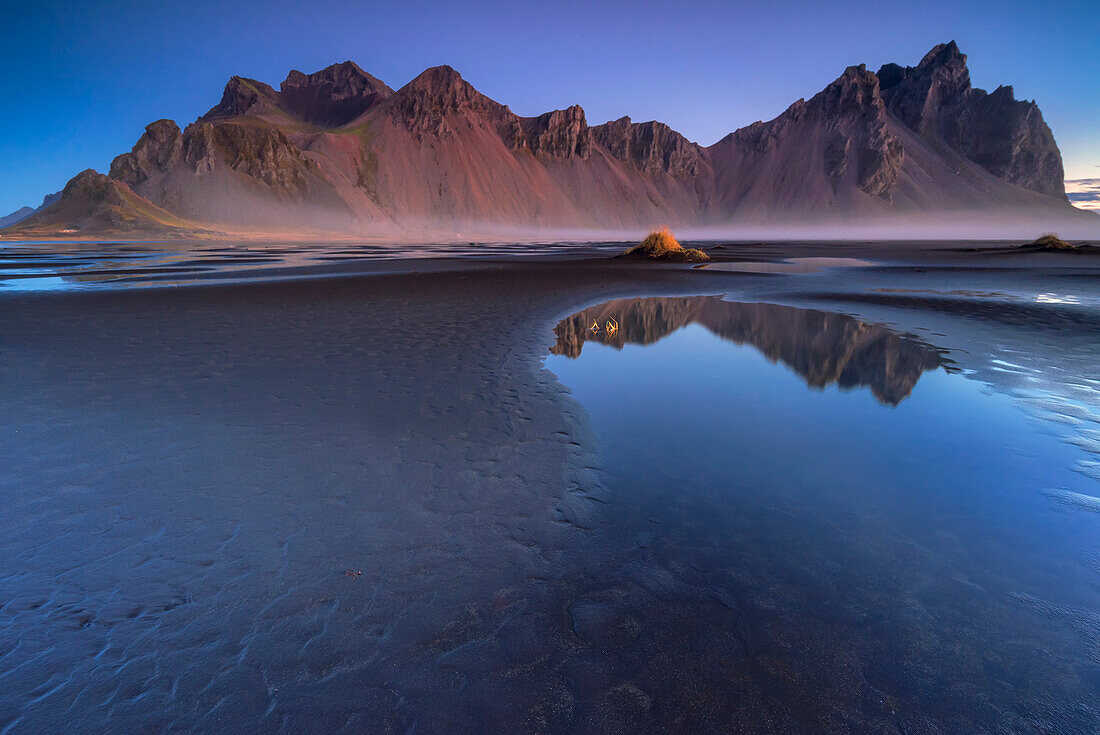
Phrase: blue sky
pixel 81 80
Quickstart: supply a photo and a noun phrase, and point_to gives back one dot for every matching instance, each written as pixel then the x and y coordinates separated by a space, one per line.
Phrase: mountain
pixel 93 202
pixel 17 216
pixel 824 349
pixel 24 212
pixel 340 150
pixel 1005 136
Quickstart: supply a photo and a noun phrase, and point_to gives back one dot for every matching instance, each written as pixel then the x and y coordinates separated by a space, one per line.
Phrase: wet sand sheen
pixel 788 265
pixel 361 505
pixel 230 454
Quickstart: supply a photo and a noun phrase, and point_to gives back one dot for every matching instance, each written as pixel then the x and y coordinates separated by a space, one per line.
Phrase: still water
pixel 880 527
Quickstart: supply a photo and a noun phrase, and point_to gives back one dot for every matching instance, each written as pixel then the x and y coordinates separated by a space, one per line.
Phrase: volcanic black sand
pixel 360 504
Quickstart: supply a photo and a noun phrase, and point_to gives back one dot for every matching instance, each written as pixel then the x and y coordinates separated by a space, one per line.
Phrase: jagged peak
pixel 650 146
pixel 242 96
pixel 91 186
pixel 441 88
pixel 855 77
pixel 342 74
pixel 890 75
pixel 854 91
pixel 858 78
pixel 562 133
pixel 343 67
pixel 437 79
pixel 442 83
pixel 85 177
pixel 237 82
pixel 943 54
pixel 427 103
pixel 626 123
pixel 162 129
pixel 158 148
pixel 573 113
pixel 333 96
pixel 917 95
pixel 945 59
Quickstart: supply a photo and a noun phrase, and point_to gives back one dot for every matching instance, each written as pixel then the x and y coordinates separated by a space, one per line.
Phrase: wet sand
pixel 38 266
pixel 359 504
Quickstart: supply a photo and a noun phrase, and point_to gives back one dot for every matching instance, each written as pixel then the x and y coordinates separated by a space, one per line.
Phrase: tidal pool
pixel 876 528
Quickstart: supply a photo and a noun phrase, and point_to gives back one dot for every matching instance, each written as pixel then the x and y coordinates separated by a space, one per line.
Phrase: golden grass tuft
pixel 662 245
pixel 1050 241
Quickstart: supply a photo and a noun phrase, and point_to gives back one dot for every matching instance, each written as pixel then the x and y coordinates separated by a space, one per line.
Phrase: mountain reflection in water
pixel 824 348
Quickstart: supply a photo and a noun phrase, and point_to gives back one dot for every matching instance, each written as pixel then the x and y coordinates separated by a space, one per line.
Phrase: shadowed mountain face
pixel 17 216
pixel 822 347
pixel 1004 135
pixel 339 149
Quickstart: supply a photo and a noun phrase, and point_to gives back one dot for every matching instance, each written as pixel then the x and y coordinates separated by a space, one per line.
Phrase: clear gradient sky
pixel 82 79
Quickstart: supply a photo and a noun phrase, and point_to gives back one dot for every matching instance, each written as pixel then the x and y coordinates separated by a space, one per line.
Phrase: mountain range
pixel 339 150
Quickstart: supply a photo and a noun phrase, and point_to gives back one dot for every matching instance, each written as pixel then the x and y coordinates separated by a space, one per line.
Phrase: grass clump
pixel 661 245
pixel 1050 241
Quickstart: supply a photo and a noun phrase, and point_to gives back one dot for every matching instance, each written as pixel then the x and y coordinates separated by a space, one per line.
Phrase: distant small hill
pixel 17 216
pixel 96 204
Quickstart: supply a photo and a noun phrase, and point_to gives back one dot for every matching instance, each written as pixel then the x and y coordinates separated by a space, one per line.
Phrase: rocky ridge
pixel 1005 136
pixel 92 201
pixel 340 149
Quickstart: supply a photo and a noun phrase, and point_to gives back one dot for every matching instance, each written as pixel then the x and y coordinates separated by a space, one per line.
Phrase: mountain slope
pixel 1006 137
pixel 340 150
pixel 17 216
pixel 92 203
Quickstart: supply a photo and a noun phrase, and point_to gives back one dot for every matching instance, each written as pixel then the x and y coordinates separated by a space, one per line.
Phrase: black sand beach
pixel 359 503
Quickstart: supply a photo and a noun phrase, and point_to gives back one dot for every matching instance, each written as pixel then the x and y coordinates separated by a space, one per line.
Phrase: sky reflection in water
pixel 923 518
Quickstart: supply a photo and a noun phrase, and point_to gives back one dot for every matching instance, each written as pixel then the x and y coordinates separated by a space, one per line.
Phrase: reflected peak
pixel 822 347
